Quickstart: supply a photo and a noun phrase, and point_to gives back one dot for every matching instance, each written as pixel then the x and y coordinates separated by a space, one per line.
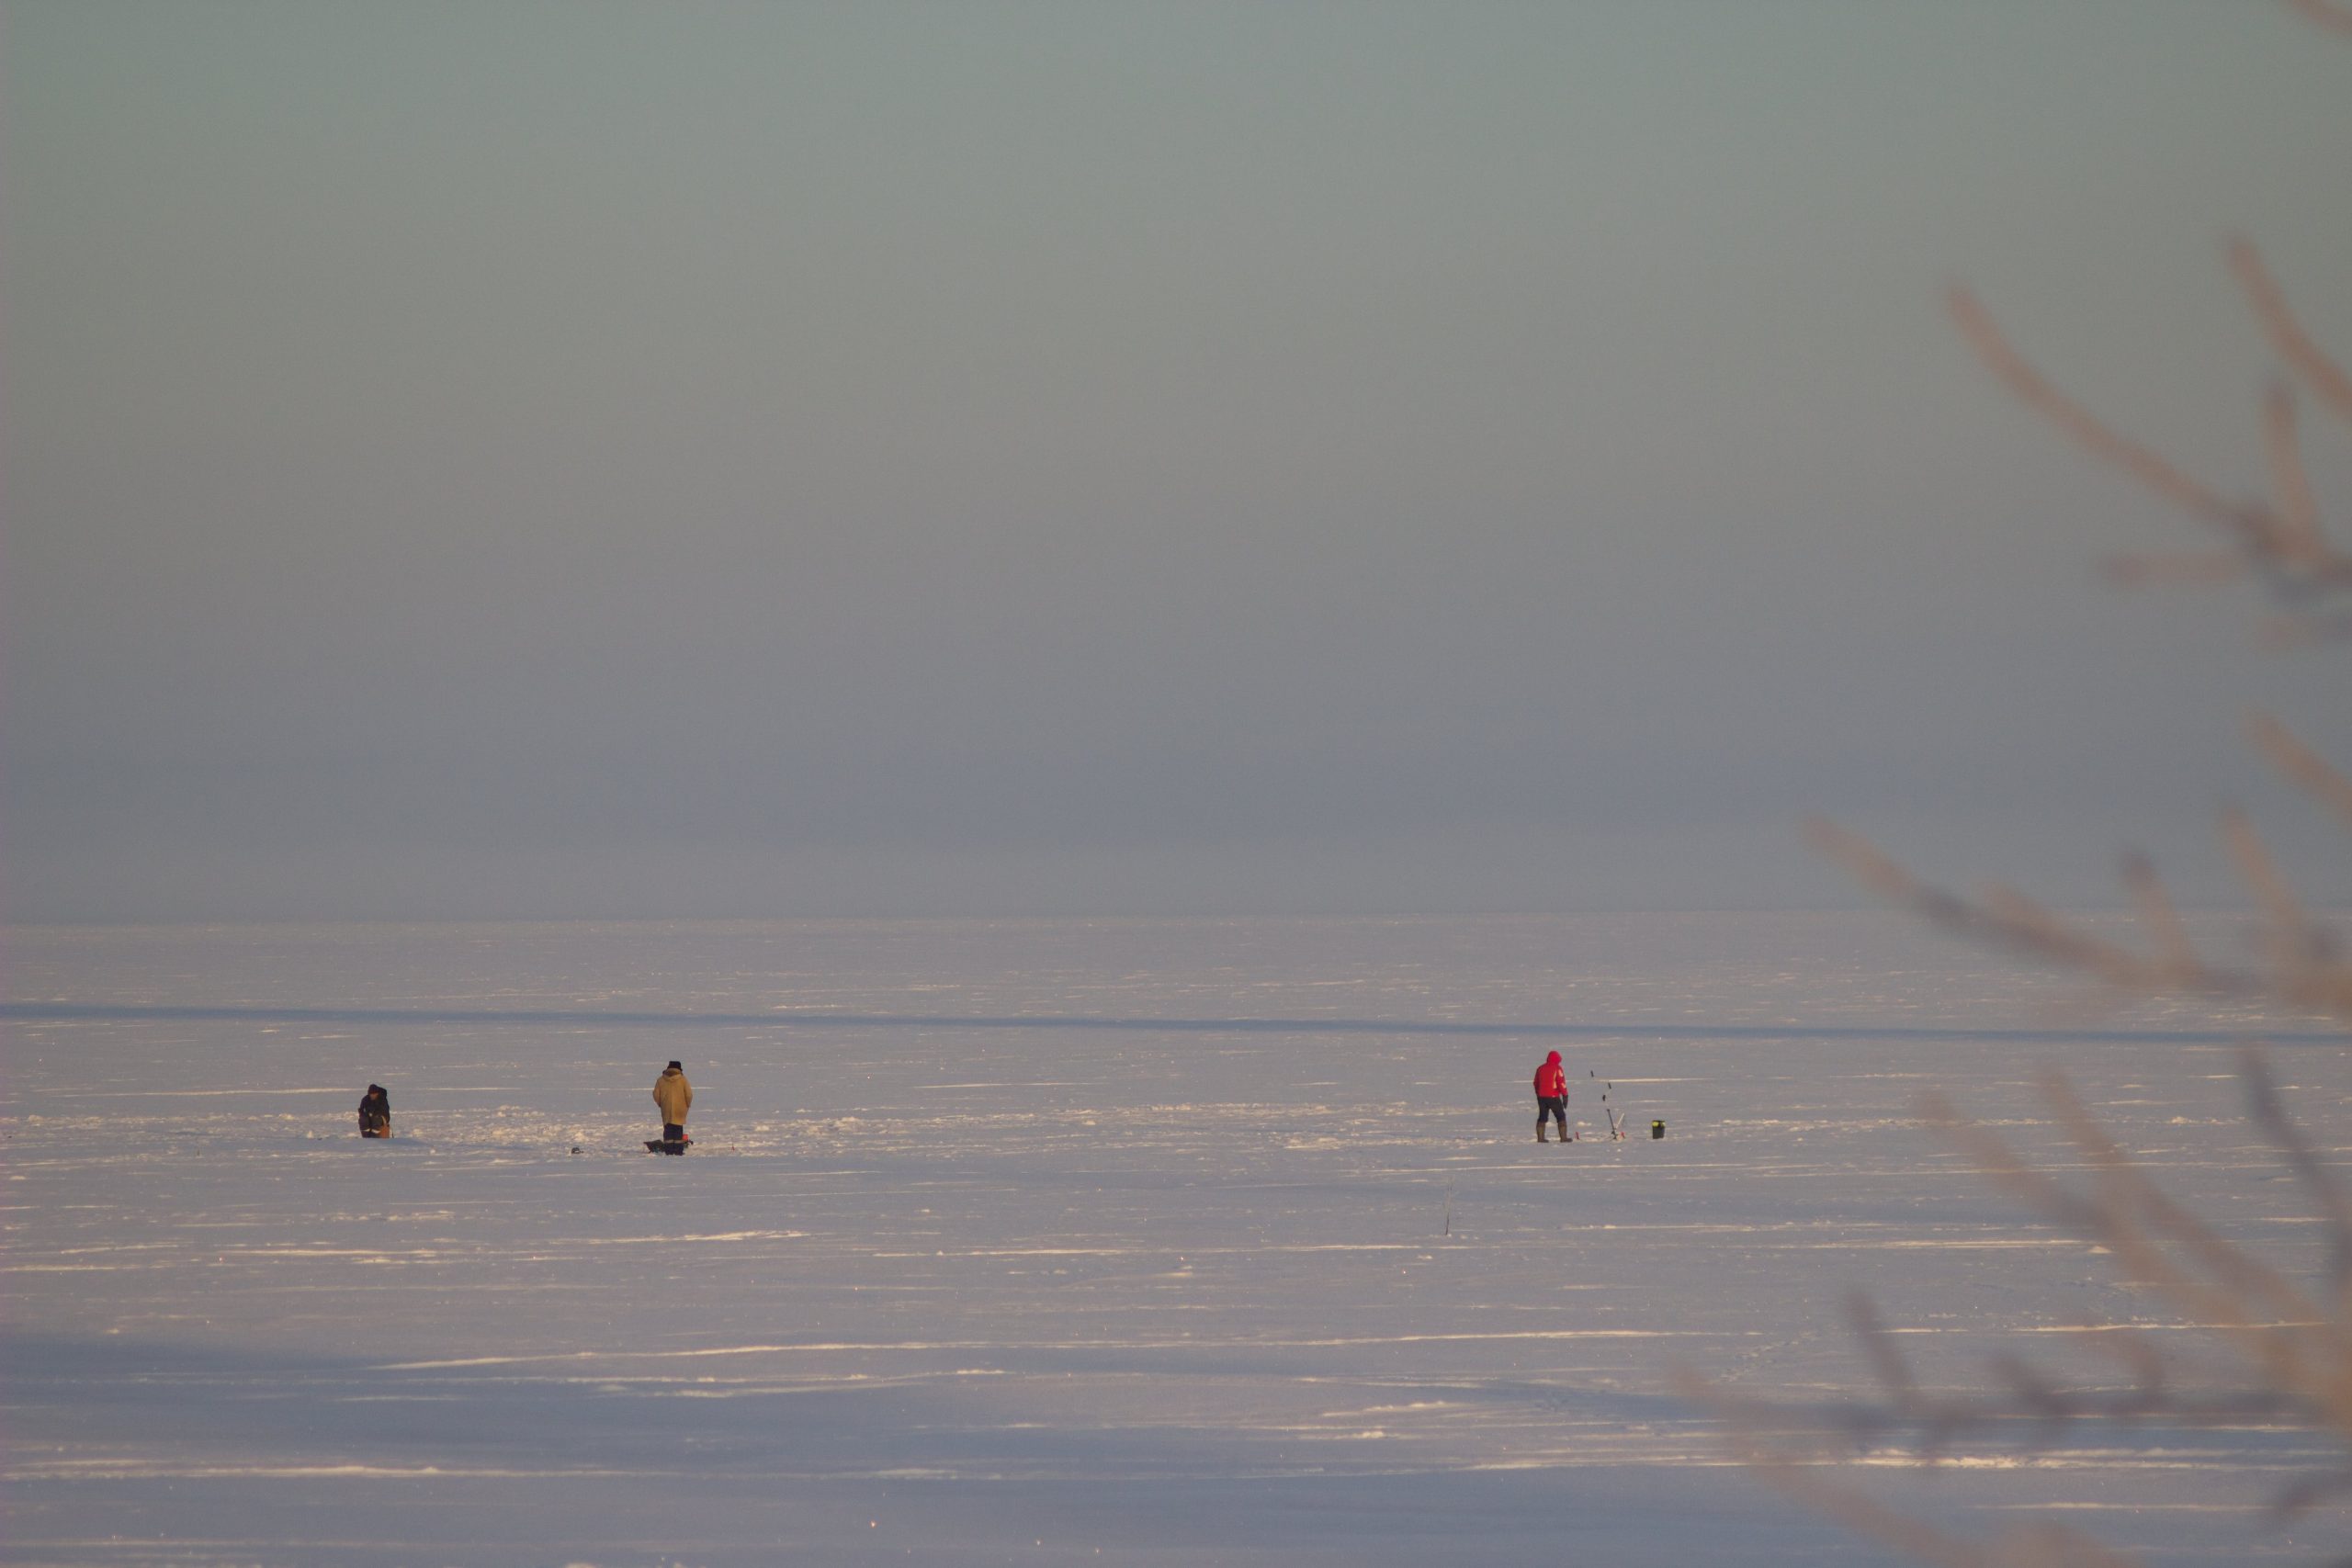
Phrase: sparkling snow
pixel 1036 1241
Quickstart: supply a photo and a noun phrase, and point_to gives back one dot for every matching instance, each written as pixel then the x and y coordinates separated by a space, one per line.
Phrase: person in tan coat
pixel 673 1094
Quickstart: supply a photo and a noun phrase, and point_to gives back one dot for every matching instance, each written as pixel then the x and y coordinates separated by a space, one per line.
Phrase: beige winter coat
pixel 672 1093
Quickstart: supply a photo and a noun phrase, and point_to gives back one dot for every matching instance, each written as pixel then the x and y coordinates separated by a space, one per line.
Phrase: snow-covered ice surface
pixel 1143 1241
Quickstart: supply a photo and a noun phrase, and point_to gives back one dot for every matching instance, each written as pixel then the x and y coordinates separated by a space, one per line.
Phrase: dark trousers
pixel 673 1138
pixel 1554 1106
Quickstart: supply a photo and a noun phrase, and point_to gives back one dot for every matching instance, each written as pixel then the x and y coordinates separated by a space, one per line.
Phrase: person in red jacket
pixel 1551 1097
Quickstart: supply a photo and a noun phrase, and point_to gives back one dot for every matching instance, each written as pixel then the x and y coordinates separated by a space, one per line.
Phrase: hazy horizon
pixel 589 460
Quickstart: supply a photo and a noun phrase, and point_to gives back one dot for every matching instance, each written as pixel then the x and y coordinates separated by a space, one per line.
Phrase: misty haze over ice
pixel 517 461
pixel 1109 620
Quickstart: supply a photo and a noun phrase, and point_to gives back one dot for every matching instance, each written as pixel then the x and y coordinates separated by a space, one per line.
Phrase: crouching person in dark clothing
pixel 673 1094
pixel 376 1113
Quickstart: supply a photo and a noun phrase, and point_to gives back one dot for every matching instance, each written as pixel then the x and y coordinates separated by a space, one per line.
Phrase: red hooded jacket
pixel 1551 1079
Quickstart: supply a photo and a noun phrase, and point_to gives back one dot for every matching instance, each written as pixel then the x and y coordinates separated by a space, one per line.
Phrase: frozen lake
pixel 1037 1241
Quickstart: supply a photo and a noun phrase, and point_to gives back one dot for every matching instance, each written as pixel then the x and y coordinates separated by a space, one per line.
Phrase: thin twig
pixel 2289 926
pixel 2277 318
pixel 2327 1195
pixel 2300 764
pixel 2084 428
pixel 2175 952
pixel 2153 569
pixel 2306 970
pixel 2295 534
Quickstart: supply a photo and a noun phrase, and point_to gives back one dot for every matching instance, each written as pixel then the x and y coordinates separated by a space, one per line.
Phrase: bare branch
pixel 1887 1360
pixel 1864 860
pixel 2079 425
pixel 2287 335
pixel 2303 764
pixel 2326 13
pixel 2148 570
pixel 2284 1357
pixel 2306 970
pixel 2135 1214
pixel 2263 1104
pixel 2294 534
pixel 2141 1227
pixel 2289 926
pixel 2146 1363
pixel 2304 629
pixel 2038 927
pixel 2175 952
pixel 2285 546
pixel 1806 1480
pixel 2301 1496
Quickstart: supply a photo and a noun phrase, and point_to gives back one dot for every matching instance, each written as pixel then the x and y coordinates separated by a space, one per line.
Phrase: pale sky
pixel 577 460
